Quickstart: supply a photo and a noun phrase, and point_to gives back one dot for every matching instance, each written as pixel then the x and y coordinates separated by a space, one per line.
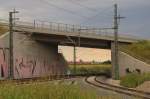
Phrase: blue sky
pixel 98 13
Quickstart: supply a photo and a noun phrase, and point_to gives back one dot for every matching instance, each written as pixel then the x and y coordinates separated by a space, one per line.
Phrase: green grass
pixel 92 69
pixel 50 91
pixel 140 50
pixel 133 80
pixel 44 91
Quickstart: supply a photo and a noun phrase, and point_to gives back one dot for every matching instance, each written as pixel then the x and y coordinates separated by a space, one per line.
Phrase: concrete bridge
pixel 36 46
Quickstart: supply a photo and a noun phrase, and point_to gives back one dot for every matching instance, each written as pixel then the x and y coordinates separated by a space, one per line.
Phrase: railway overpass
pixel 35 46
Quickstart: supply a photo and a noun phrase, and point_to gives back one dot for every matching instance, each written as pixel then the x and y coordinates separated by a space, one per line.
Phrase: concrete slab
pixel 144 87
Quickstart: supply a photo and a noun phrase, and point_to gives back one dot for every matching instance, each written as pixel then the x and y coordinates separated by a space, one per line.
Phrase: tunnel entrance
pixel 87 61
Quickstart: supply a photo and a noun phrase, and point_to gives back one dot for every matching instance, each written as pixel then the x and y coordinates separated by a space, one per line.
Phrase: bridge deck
pixel 70 30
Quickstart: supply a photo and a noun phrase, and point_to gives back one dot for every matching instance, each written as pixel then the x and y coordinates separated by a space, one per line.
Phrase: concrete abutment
pixel 31 58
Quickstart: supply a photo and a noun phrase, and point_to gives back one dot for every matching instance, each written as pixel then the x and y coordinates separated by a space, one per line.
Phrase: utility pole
pixel 79 37
pixel 11 56
pixel 74 59
pixel 75 50
pixel 116 27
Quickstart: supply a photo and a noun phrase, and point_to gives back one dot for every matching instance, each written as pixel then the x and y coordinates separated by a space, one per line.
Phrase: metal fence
pixel 67 28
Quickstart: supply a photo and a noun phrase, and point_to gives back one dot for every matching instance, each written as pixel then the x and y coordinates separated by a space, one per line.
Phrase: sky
pixel 85 54
pixel 95 13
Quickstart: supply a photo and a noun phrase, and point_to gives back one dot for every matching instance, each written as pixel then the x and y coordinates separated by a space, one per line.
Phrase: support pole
pixel 74 59
pixel 116 41
pixel 116 27
pixel 10 45
pixel 79 39
pixel 11 55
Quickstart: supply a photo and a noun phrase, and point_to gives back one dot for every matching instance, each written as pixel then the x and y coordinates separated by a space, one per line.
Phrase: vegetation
pixel 107 62
pixel 49 90
pixel 92 69
pixel 44 91
pixel 3 30
pixel 140 50
pixel 132 80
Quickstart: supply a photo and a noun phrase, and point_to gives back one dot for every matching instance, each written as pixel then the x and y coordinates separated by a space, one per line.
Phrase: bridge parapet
pixel 69 30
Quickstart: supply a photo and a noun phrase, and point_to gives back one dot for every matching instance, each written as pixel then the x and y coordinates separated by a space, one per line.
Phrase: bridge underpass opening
pixel 87 61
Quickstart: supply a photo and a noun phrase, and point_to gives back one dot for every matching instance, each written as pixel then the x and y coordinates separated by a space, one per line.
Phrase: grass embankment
pixel 92 69
pixel 133 80
pixel 139 50
pixel 3 30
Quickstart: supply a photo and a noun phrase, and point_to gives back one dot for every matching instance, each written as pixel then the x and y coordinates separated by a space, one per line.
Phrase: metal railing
pixel 67 28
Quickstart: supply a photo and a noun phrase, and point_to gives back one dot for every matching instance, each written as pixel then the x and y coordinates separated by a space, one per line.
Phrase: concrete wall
pixel 32 58
pixel 128 62
pixel 4 53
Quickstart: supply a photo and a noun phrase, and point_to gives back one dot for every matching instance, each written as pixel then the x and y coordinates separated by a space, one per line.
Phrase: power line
pixel 101 12
pixel 81 5
pixel 61 8
pixel 72 12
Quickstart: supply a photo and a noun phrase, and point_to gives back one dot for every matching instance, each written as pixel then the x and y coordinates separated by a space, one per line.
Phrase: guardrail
pixel 67 28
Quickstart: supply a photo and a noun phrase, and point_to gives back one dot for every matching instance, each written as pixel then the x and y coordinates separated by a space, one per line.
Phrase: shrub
pixel 95 70
pixel 133 80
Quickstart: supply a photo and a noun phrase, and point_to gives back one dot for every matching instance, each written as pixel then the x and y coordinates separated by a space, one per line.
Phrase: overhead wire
pixel 63 9
pixel 87 19
pixel 102 12
pixel 81 5
pixel 75 13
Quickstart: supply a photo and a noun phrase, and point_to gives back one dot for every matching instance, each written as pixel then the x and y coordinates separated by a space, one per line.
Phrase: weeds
pixel 133 80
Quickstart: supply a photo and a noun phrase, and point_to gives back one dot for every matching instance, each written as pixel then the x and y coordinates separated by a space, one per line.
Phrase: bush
pixel 133 80
pixel 107 62
pixel 95 70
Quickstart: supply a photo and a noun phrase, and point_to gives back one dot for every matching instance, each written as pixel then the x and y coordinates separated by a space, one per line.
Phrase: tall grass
pixel 133 80
pixel 44 91
pixel 51 91
pixel 140 50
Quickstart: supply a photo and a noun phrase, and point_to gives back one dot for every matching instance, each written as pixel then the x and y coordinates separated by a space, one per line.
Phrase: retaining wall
pixel 129 64
pixel 31 58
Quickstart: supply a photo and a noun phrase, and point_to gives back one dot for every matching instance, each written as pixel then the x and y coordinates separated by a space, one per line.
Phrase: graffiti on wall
pixel 24 67
pixel 3 62
pixel 27 67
